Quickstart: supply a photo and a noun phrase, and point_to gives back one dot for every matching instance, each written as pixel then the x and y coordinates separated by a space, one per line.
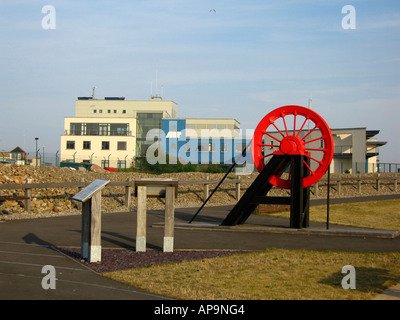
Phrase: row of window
pixel 105 145
pixel 108 111
pixel 210 147
pixel 99 129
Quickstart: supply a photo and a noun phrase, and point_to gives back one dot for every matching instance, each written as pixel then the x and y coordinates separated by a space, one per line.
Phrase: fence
pixel 335 182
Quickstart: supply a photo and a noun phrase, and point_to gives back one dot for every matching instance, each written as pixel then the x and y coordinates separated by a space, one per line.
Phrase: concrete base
pixel 141 244
pixel 95 254
pixel 90 253
pixel 168 244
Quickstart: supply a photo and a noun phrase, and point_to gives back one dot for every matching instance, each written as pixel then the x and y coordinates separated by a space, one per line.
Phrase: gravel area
pixel 119 259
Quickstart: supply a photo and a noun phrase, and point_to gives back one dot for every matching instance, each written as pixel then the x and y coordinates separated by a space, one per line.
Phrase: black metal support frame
pixel 299 199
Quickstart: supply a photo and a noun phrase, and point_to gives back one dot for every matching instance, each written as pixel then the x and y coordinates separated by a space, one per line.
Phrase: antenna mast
pixel 93 90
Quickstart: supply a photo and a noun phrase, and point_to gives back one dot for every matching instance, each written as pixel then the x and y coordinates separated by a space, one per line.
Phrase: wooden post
pixel 169 219
pixel 91 228
pixel 206 189
pixel 395 184
pixel 95 228
pixel 316 189
pixel 339 186
pixel 28 194
pixel 378 184
pixel 238 189
pixel 359 185
pixel 128 192
pixel 141 219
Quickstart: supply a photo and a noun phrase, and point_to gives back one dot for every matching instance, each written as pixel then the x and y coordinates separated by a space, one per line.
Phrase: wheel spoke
pixel 270 154
pixel 278 129
pixel 311 172
pixel 312 149
pixel 302 126
pixel 322 137
pixel 294 124
pixel 271 136
pixel 269 145
pixel 304 139
pixel 284 122
pixel 320 162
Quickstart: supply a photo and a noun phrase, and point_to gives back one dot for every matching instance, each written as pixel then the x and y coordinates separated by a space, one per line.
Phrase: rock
pixel 96 168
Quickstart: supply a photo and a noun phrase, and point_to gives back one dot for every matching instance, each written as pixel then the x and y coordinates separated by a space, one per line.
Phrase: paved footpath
pixel 28 245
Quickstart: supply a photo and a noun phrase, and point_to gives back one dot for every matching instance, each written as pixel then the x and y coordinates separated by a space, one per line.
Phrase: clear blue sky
pixel 240 61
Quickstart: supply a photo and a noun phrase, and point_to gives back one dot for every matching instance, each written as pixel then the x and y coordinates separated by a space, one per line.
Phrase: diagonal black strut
pixel 219 183
pixel 259 188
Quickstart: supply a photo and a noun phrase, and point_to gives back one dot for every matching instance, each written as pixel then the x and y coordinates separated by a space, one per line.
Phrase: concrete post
pixel 91 229
pixel 28 194
pixel 141 219
pixel 206 189
pixel 169 219
pixel 238 189
pixel 128 191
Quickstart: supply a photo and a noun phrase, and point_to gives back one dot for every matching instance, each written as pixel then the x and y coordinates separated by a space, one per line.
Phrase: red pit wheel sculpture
pixel 293 130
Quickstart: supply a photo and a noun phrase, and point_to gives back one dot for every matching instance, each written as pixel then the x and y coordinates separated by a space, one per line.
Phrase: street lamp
pixel 36 151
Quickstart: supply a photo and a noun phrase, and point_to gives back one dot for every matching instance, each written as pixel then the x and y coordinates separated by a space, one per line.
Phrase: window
pixel 100 111
pixel 103 129
pixel 121 164
pixel 94 111
pixel 108 111
pixel 121 145
pixel 75 128
pixel 86 145
pixel 205 146
pixel 115 111
pixel 105 145
pixel 70 144
pixel 119 129
pixel 123 111
pixel 145 122
pixel 105 163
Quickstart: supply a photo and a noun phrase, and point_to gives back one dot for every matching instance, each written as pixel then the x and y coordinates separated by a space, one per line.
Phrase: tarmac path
pixel 28 245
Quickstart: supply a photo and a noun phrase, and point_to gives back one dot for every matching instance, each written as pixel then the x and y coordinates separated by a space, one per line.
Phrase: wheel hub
pixel 292 145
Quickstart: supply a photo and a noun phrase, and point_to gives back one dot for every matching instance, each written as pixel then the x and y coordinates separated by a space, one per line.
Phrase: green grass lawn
pixel 271 274
pixel 371 214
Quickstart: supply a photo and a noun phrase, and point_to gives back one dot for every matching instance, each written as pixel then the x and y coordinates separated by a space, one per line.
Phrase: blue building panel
pixel 216 150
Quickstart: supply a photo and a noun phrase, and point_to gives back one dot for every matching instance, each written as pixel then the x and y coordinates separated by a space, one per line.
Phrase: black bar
pixel 327 197
pixel 296 206
pixel 222 180
pixel 306 197
pixel 245 206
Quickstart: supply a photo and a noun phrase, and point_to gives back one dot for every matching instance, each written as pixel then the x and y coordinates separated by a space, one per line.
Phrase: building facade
pixel 111 132
pixel 204 141
pixel 114 132
pixel 356 150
